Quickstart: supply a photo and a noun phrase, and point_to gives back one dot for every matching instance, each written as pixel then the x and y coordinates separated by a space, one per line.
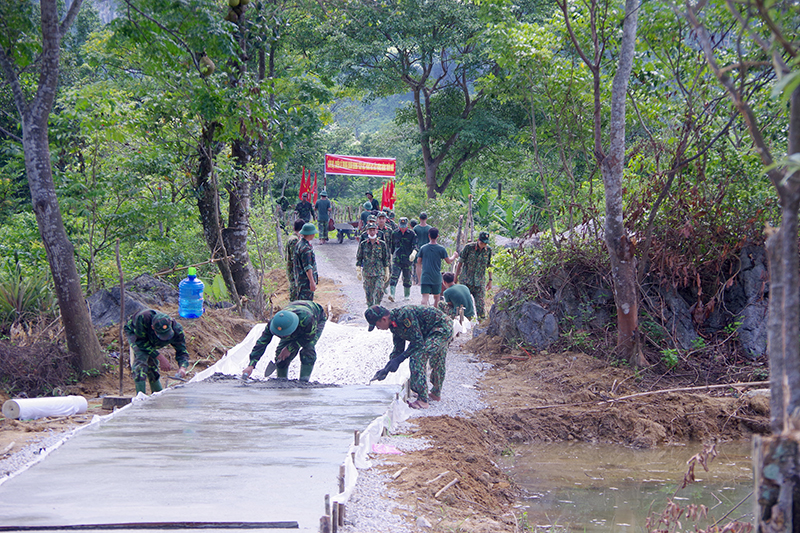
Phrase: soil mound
pixel 572 396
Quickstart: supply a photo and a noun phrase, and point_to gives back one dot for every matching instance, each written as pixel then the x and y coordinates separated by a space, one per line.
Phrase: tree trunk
pixel 777 483
pixel 34 115
pixel 208 206
pixel 235 235
pixel 620 248
pixel 81 337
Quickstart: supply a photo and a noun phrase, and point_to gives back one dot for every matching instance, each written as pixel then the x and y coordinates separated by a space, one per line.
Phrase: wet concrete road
pixel 210 451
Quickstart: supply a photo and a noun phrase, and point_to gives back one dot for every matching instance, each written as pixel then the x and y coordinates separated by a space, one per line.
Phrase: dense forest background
pixel 177 128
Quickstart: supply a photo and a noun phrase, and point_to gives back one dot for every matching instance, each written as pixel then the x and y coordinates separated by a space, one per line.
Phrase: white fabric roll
pixel 33 408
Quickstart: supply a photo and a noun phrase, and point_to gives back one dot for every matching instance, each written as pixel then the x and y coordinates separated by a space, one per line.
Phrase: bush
pixel 38 370
pixel 23 298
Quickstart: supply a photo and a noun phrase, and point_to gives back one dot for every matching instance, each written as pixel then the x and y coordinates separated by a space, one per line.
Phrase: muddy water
pixel 591 488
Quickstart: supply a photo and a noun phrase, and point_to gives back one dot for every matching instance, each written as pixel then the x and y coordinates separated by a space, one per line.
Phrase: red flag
pixel 391 197
pixel 314 190
pixel 303 186
pixel 383 196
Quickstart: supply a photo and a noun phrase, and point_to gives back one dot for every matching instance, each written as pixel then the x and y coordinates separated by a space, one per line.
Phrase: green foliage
pixel 217 290
pixel 23 297
pixel 513 267
pixel 669 356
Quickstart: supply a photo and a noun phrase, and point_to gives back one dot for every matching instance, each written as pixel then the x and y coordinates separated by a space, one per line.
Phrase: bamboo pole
pixel 663 391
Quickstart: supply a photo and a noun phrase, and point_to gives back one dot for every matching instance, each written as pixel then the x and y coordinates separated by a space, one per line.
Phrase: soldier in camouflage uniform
pixel 305 264
pixel 372 262
pixel 304 209
pixel 147 331
pixel 403 242
pixel 428 331
pixel 383 231
pixel 291 248
pixel 299 326
pixel 390 220
pixel 475 259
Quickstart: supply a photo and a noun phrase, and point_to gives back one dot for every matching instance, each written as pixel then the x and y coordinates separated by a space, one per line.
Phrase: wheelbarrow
pixel 348 229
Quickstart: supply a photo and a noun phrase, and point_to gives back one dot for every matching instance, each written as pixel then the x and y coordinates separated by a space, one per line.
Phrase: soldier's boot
pixel 305 372
pixel 391 293
pixel 141 386
pixel 282 372
pixel 406 293
pixel 155 386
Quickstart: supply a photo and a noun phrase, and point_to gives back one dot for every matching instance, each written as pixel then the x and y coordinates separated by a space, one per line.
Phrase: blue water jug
pixel 190 291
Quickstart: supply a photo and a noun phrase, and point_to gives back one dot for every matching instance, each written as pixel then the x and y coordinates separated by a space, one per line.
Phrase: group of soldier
pixel 386 252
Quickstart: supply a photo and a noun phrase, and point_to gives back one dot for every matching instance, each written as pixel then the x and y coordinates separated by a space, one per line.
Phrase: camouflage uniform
pixel 145 344
pixel 304 210
pixel 473 272
pixel 428 331
pixel 373 258
pixel 384 235
pixel 323 216
pixel 402 246
pixel 304 259
pixel 291 248
pixel 304 339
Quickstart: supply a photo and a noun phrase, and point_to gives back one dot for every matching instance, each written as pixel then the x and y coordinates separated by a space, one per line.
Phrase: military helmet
pixel 284 323
pixel 367 206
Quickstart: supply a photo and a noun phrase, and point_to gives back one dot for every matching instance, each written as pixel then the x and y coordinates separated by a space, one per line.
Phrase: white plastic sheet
pixel 33 408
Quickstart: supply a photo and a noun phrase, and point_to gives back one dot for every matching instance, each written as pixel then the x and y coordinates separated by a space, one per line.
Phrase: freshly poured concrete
pixel 206 452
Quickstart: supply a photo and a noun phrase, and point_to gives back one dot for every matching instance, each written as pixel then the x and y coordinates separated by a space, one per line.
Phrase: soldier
pixel 372 264
pixel 390 223
pixel 373 203
pixel 299 326
pixel 455 296
pixel 422 230
pixel 291 248
pixel 305 264
pixel 476 258
pixel 429 267
pixel 384 233
pixel 365 214
pixel 147 331
pixel 304 209
pixel 324 210
pixel 402 249
pixel 428 331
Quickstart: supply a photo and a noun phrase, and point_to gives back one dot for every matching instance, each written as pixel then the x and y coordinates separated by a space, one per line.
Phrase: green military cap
pixel 284 323
pixel 162 325
pixel 308 229
pixel 375 313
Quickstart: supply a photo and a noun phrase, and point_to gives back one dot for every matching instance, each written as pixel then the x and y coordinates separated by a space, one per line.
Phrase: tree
pixel 433 50
pixel 772 28
pixel 19 61
pixel 612 161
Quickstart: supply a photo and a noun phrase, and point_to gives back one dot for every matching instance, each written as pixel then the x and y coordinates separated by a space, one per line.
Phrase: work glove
pixel 380 375
pixel 412 256
pixel 358 274
pixel 387 275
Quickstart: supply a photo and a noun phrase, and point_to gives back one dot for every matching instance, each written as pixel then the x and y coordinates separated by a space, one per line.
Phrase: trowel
pixel 270 369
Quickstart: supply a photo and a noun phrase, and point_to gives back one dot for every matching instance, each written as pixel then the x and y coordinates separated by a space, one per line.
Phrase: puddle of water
pixel 598 489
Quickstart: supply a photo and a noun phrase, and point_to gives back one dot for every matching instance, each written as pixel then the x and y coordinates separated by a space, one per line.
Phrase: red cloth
pixel 314 190
pixel 303 185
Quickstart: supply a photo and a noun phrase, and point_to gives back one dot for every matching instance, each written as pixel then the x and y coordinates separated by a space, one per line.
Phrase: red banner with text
pixel 352 165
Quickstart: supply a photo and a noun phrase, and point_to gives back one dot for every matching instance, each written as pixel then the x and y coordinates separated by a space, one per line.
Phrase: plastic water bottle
pixel 190 291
